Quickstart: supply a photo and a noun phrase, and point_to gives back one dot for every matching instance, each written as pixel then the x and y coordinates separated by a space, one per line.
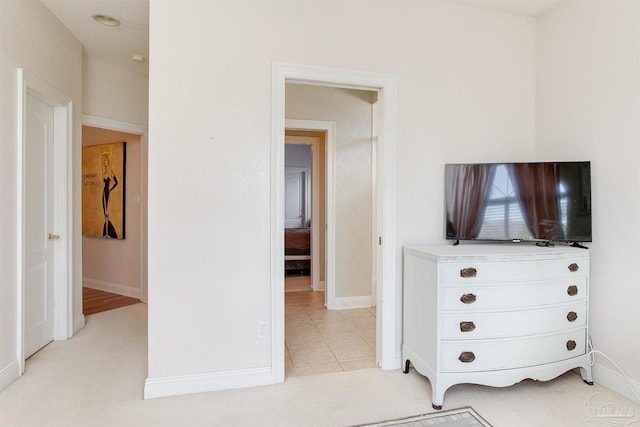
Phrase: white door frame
pixel 63 208
pixel 329 129
pixel 386 85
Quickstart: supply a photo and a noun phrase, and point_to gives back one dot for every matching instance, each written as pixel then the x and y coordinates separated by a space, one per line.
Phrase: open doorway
pixel 340 334
pixel 298 216
pixel 387 322
pixel 304 210
pixel 114 269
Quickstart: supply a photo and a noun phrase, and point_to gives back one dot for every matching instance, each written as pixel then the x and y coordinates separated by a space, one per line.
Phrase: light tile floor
pixel 318 340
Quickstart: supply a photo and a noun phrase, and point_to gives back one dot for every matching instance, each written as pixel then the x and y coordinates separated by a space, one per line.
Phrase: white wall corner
pixel 212 381
pixel 9 374
pixel 321 286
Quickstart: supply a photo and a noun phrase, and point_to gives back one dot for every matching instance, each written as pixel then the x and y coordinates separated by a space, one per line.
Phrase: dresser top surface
pixel 493 251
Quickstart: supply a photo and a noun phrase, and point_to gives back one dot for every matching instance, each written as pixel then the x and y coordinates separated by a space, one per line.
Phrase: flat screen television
pixel 539 202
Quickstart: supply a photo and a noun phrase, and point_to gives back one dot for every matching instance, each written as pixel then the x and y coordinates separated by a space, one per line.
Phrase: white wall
pixel 588 107
pixel 31 38
pixel 465 92
pixel 351 110
pixel 111 92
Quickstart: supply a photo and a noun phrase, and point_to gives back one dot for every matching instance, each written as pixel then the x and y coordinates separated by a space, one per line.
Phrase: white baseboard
pixel 614 380
pixel 398 360
pixel 9 374
pixel 321 286
pixel 344 303
pixel 78 323
pixel 114 288
pixel 213 381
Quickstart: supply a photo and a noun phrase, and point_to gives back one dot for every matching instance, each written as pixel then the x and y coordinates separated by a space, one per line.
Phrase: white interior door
pixel 39 234
pixel 295 197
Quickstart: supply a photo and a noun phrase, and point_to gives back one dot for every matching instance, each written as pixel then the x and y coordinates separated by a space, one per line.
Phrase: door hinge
pixel 380 241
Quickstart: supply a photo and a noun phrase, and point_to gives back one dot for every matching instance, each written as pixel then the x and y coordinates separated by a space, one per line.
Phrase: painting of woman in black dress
pixel 103 180
pixel 110 182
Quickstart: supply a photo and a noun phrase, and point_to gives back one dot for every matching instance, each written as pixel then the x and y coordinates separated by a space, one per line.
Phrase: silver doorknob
pixel 52 236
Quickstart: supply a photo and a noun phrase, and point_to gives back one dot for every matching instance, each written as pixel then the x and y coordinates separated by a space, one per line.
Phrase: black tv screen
pixel 542 201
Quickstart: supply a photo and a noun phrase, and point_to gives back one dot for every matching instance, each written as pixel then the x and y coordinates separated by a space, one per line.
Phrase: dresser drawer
pixel 497 354
pixel 502 324
pixel 485 272
pixel 512 295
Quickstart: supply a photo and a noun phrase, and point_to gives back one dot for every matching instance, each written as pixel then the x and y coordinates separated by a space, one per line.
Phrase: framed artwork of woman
pixel 103 190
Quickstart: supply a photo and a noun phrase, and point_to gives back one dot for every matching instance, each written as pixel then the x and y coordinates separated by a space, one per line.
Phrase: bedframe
pixel 297 249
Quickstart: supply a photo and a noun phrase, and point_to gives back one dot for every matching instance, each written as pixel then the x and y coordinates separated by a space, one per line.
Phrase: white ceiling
pixel 109 44
pixel 114 44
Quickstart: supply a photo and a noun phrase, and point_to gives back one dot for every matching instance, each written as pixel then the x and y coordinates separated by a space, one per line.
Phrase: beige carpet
pixel 97 378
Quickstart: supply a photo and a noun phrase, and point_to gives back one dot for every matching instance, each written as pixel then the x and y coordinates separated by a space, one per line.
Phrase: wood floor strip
pixel 95 301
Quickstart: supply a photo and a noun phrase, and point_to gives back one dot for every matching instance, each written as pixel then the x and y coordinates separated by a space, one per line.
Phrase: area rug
pixel 461 417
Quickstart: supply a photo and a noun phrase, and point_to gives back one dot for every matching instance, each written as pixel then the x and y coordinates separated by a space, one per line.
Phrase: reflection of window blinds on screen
pixel 500 222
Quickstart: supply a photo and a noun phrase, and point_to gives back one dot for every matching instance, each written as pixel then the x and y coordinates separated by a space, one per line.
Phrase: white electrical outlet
pixel 262 328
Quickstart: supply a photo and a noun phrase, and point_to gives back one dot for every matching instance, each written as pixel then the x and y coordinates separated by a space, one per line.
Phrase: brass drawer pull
pixel 572 290
pixel 468 272
pixel 467 326
pixel 572 316
pixel 467 357
pixel 573 267
pixel 468 298
pixel 571 345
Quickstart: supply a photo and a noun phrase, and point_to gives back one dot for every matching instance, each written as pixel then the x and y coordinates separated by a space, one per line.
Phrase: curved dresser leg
pixel 438 387
pixel 406 366
pixel 585 372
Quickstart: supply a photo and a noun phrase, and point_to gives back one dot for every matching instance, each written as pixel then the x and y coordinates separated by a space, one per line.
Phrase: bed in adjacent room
pixel 297 249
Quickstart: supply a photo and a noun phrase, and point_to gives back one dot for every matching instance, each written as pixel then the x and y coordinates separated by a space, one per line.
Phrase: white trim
pixel 330 219
pixel 615 381
pixel 9 374
pixel 63 221
pixel 345 303
pixel 386 85
pixel 63 207
pixel 20 272
pixel 114 288
pixel 78 323
pixel 213 381
pixel 117 125
pixel 277 225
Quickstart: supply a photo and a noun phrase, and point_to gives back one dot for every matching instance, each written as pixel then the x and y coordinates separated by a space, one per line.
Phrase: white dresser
pixel 494 314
